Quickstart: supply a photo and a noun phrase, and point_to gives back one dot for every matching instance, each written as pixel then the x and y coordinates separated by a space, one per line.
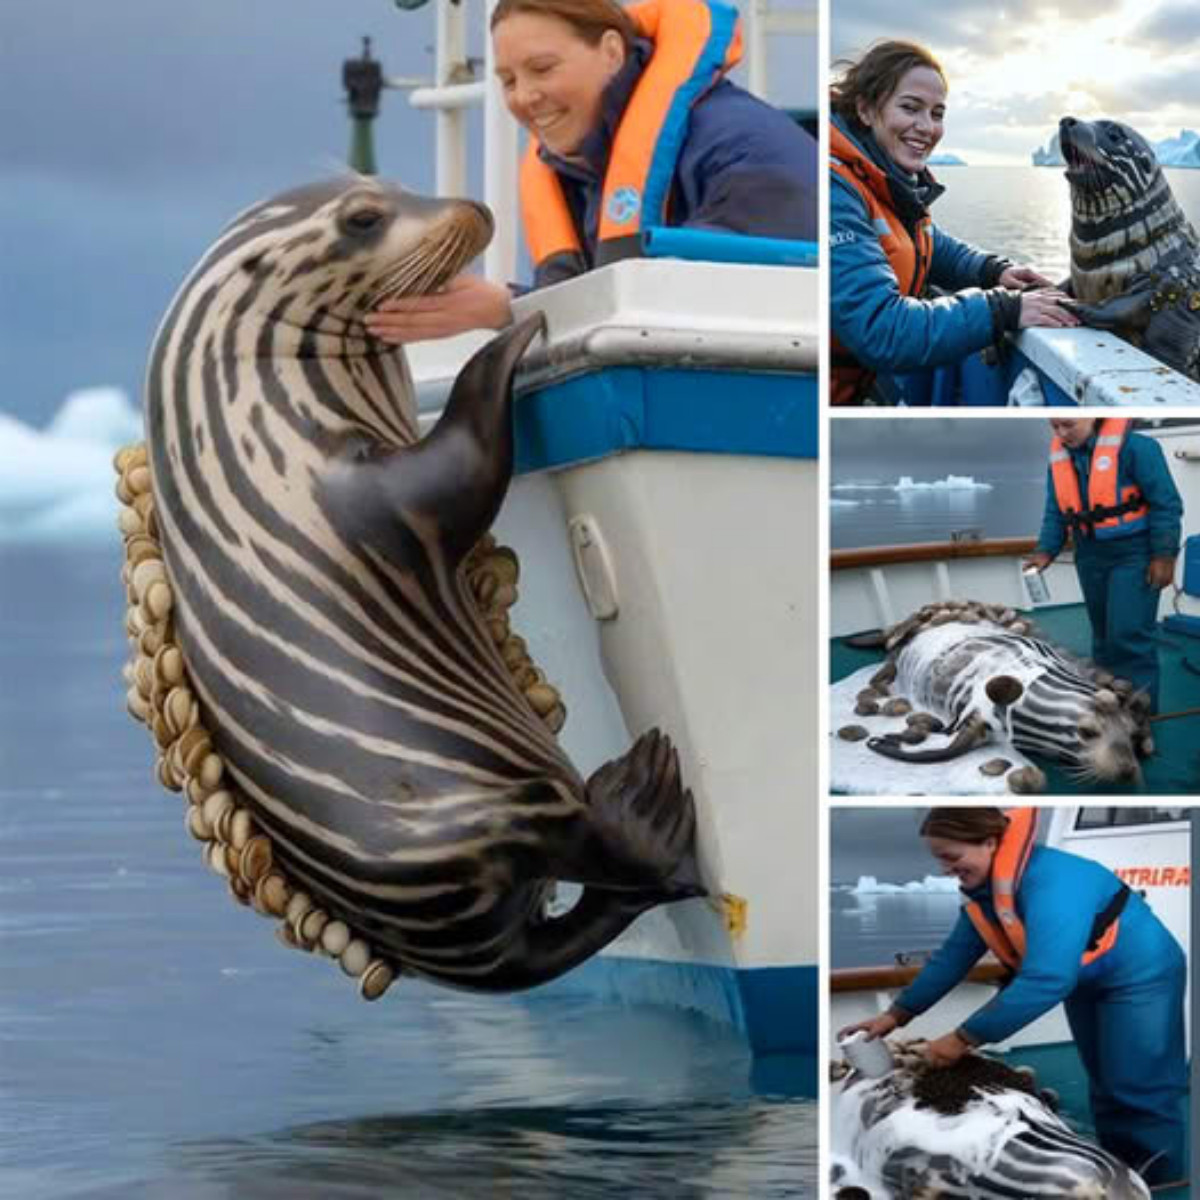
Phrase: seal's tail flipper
pixel 646 820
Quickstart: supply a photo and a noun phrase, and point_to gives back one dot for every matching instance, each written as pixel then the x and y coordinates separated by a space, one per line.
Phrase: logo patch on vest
pixel 623 205
pixel 1104 462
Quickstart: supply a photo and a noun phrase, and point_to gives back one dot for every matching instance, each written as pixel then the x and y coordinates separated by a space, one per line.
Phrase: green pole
pixel 363 81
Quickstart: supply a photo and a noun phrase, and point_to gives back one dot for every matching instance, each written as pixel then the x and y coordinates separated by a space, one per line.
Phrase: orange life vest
pixel 1005 936
pixel 908 257
pixel 1113 508
pixel 695 44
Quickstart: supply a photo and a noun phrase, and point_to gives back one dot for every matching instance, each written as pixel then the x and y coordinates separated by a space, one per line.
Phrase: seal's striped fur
pixel 1135 257
pixel 314 550
pixel 1002 1142
pixel 988 676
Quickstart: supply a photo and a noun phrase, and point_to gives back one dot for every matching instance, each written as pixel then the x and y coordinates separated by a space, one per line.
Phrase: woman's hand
pixel 877 1027
pixel 945 1051
pixel 1160 572
pixel 1039 560
pixel 1020 278
pixel 1044 308
pixel 466 302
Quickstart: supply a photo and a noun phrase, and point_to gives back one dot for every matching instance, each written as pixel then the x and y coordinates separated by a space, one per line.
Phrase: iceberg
pixel 1180 151
pixel 56 484
pixel 951 483
pixel 868 885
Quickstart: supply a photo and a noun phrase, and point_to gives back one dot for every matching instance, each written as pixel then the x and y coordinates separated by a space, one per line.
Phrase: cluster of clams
pixel 160 697
pixel 492 573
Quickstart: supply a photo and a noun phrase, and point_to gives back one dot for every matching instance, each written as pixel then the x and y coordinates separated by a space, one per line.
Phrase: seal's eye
pixel 362 220
pixel 1087 732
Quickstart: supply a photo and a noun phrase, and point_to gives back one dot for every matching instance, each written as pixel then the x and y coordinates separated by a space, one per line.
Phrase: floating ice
pixel 906 483
pixel 56 484
pixel 869 885
pixel 952 483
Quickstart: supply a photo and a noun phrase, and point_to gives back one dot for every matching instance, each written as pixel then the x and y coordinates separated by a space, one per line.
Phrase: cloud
pixel 1170 27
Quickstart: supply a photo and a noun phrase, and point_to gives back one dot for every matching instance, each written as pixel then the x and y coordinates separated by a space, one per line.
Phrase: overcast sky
pixel 883 448
pixel 878 841
pixel 134 129
pixel 1016 66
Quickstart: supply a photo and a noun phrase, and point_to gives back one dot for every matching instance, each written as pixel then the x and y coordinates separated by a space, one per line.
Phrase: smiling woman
pixel 632 123
pixel 887 256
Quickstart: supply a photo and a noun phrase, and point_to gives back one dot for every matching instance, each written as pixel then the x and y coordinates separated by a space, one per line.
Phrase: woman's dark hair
pixel 589 19
pixel 973 825
pixel 875 76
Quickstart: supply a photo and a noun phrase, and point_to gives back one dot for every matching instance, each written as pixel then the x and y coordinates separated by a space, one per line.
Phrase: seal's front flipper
pixel 447 488
pixel 973 734
pixel 643 823
pixel 1128 314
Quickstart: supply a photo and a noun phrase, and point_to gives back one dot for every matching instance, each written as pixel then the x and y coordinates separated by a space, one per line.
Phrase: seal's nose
pixel 1067 123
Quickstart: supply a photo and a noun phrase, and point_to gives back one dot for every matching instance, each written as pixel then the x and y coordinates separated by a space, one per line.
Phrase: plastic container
pixel 871 1058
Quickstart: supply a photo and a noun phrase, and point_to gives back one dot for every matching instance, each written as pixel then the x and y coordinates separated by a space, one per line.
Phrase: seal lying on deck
pixel 983 675
pixel 1135 258
pixel 978 1129
pixel 356 751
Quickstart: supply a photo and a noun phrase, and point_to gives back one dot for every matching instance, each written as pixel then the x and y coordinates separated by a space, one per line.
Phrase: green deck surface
pixel 1058 1067
pixel 1175 767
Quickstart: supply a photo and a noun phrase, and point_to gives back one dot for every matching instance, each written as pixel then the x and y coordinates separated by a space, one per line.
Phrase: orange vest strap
pixel 909 254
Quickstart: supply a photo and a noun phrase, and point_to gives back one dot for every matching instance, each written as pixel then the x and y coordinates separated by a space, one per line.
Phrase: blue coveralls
pixel 743 167
pixel 1121 605
pixel 884 329
pixel 1125 1009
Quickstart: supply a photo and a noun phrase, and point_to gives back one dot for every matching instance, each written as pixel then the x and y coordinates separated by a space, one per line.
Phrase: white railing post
pixel 500 150
pixel 451 56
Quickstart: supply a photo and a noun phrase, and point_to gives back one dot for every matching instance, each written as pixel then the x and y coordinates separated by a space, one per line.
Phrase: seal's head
pixel 1113 739
pixel 1125 221
pixel 324 255
pixel 1104 156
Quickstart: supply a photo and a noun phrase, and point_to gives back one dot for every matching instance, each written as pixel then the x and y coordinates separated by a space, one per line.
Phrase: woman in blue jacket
pixel 885 251
pixel 1072 933
pixel 632 123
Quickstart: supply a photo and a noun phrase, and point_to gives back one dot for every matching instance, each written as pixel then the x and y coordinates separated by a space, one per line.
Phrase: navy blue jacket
pixel 1143 463
pixel 744 167
pixel 884 329
pixel 1058 899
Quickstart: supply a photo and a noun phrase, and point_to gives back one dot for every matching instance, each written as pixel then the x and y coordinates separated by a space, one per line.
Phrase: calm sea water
pixel 155 1041
pixel 870 930
pixel 1024 212
pixel 883 516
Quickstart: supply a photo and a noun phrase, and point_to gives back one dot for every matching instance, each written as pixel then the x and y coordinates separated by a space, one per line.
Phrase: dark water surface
pixel 155 1041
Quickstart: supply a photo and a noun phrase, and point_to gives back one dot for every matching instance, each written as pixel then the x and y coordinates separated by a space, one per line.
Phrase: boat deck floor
pixel 1175 766
pixel 1059 1067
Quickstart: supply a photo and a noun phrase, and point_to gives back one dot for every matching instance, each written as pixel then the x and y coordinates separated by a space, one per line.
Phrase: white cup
pixel 871 1058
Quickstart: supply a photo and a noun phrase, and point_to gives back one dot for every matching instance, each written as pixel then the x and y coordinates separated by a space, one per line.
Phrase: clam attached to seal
pixel 367 753
pixel 1135 257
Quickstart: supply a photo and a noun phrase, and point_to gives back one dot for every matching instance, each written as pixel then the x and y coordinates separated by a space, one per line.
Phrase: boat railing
pixel 895 978
pixel 880 585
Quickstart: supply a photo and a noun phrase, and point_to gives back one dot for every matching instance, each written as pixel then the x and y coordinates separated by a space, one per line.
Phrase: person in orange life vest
pixel 1112 491
pixel 885 251
pixel 1070 932
pixel 632 124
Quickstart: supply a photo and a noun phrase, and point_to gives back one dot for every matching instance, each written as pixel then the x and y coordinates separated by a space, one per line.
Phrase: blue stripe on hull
pixel 635 408
pixel 774 1008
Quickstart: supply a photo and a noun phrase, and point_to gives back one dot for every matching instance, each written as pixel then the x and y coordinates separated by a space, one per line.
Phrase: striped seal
pixel 314 547
pixel 986 676
pixel 978 1130
pixel 1135 258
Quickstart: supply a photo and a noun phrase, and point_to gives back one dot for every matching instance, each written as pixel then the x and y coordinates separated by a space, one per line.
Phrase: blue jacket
pixel 1141 462
pixel 1059 897
pixel 881 327
pixel 744 167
